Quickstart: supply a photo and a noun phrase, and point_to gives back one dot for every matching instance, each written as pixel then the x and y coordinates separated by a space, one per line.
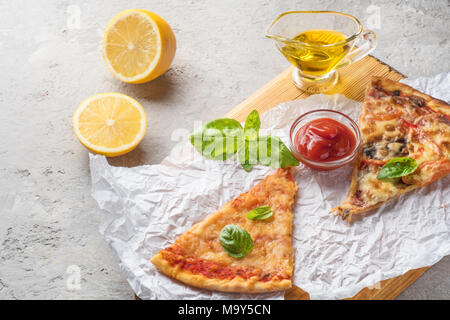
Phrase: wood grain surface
pixel 352 83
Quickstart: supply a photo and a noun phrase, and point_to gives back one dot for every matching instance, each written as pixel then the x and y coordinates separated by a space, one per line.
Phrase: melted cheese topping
pixel 374 190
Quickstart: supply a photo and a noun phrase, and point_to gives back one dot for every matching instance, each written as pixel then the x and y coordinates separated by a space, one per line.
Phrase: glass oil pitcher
pixel 317 43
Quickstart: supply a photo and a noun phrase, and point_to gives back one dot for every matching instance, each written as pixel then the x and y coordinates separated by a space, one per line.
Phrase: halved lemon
pixel 111 124
pixel 138 46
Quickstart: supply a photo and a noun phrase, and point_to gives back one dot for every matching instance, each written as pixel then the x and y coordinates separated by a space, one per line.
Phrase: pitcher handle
pixel 365 44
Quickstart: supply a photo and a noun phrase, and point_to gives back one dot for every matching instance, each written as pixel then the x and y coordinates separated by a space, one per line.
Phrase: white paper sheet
pixel 145 208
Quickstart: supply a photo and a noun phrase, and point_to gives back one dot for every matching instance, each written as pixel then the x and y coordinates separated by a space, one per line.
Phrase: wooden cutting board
pixel 352 83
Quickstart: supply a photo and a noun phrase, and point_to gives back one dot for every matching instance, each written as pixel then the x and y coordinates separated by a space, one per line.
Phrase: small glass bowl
pixel 325 113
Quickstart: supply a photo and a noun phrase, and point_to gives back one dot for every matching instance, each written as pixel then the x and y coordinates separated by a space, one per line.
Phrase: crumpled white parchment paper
pixel 145 208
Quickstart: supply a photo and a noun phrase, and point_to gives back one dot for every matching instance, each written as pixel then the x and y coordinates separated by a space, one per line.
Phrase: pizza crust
pixel 435 104
pixel 236 284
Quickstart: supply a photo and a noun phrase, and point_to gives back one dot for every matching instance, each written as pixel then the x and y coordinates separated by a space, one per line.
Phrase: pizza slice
pixel 405 145
pixel 244 247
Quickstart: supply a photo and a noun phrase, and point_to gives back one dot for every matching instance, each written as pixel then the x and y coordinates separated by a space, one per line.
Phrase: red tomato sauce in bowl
pixel 325 139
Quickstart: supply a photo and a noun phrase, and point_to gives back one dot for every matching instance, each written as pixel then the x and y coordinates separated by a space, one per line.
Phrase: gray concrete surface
pixel 49 63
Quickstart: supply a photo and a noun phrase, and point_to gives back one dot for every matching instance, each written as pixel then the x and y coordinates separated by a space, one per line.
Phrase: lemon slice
pixel 138 46
pixel 111 124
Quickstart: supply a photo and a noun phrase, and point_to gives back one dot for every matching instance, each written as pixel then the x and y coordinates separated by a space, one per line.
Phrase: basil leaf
pixel 260 213
pixel 274 153
pixel 218 139
pixel 252 125
pixel 247 150
pixel 236 241
pixel 397 167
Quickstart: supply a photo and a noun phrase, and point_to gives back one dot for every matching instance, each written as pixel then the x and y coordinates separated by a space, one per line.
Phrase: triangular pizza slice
pixel 405 145
pixel 244 247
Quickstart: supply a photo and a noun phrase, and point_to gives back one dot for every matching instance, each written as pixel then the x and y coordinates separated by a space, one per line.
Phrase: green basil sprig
pixel 220 139
pixel 260 213
pixel 397 167
pixel 236 241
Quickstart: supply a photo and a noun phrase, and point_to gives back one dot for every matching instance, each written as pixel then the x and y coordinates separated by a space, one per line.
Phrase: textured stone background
pixel 49 64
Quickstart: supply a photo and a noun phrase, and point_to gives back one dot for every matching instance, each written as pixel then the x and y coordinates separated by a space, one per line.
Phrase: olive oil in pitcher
pixel 316 52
